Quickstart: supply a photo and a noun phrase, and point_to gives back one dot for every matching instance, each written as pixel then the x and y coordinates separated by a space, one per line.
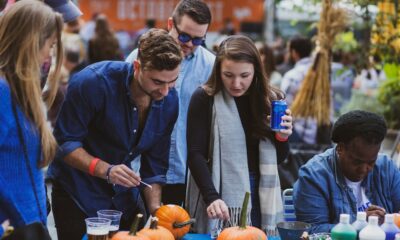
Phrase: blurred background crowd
pixel 365 71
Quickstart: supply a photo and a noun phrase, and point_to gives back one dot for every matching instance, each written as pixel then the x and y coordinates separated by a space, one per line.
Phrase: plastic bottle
pixel 389 227
pixel 361 222
pixel 343 230
pixel 397 236
pixel 372 231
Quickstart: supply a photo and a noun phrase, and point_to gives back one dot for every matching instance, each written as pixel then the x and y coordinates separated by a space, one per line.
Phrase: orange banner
pixel 131 14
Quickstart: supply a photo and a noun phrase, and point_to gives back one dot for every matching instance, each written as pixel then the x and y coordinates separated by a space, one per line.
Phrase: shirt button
pixel 134 109
pixel 134 130
pixel 130 154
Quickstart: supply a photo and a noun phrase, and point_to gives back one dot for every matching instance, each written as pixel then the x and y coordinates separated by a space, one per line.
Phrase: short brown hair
pixel 158 51
pixel 197 10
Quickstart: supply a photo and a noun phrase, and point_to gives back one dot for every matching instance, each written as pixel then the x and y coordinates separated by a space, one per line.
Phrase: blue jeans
pixel 255 199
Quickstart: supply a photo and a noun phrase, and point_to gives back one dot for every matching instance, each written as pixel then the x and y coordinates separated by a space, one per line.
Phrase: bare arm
pixel 153 197
pixel 119 174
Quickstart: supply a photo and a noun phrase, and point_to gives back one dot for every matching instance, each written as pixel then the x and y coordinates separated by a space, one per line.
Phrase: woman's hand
pixel 218 209
pixel 287 122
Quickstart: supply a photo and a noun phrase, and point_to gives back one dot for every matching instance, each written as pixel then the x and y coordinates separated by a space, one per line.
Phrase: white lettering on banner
pixel 160 10
pixel 151 10
pixel 142 9
pixel 216 9
pixel 241 13
pixel 99 5
pixel 126 9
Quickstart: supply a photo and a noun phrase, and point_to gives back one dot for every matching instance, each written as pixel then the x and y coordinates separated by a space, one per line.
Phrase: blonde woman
pixel 29 30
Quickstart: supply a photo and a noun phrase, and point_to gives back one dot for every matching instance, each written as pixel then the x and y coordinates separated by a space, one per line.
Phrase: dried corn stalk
pixel 314 97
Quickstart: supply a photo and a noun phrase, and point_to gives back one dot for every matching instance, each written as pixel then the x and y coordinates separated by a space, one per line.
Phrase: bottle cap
pixel 362 216
pixel 389 218
pixel 344 218
pixel 373 220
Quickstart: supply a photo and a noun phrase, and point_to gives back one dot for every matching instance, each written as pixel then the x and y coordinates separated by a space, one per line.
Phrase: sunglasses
pixel 184 37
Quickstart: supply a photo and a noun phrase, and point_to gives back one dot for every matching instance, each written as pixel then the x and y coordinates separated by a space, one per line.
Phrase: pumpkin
pixel 131 235
pixel 397 219
pixel 243 232
pixel 175 219
pixel 155 232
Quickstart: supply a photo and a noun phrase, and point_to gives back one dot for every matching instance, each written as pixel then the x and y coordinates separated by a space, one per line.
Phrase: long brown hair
pixel 242 49
pixel 24 29
pixel 104 45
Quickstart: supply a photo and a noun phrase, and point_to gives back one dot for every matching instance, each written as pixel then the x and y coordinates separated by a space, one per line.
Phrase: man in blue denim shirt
pixel 188 26
pixel 350 177
pixel 114 112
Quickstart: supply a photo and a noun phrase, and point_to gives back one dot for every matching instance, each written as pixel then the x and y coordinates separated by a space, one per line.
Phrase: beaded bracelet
pixel 108 173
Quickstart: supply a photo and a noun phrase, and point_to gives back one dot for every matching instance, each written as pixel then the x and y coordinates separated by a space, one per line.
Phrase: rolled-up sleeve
pixel 84 98
pixel 310 201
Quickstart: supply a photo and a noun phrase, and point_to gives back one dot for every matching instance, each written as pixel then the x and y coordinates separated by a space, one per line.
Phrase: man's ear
pixel 340 147
pixel 136 65
pixel 170 24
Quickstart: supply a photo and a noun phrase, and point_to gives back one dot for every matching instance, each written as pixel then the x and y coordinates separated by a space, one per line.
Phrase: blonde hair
pixel 24 29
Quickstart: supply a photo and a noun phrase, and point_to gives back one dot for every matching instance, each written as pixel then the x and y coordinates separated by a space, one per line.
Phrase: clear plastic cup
pixel 320 236
pixel 97 228
pixel 114 216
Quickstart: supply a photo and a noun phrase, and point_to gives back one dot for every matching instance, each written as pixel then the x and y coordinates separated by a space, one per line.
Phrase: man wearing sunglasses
pixel 188 26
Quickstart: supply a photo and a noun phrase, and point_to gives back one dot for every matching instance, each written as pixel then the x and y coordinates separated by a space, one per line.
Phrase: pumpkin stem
pixel 135 225
pixel 183 224
pixel 154 223
pixel 243 214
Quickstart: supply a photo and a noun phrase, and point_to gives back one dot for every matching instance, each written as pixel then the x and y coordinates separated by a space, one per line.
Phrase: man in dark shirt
pixel 114 131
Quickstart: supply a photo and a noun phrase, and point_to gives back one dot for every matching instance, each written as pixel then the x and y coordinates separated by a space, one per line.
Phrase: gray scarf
pixel 228 146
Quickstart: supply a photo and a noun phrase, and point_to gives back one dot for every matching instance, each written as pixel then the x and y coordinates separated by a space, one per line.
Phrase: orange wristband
pixel 280 139
pixel 92 165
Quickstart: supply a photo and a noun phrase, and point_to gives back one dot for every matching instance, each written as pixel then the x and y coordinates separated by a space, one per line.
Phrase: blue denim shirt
pixel 99 115
pixel 321 194
pixel 195 70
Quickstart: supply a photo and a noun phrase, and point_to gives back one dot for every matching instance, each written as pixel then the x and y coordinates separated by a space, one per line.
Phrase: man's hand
pixel 124 176
pixel 218 209
pixel 374 210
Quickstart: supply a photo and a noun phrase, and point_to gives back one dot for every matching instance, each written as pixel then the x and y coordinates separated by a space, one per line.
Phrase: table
pixel 189 236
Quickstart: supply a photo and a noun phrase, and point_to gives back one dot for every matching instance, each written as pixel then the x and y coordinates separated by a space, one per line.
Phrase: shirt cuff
pixel 160 179
pixel 68 147
pixel 1 231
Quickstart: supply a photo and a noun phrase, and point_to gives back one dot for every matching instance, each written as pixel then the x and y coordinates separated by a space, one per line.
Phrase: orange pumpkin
pixel 155 232
pixel 175 219
pixel 397 219
pixel 131 235
pixel 243 232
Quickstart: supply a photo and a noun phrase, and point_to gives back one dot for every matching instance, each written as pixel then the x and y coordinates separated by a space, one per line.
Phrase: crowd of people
pixel 191 123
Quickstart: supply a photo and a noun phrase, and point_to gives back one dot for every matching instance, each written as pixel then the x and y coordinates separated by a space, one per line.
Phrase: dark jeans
pixel 173 194
pixel 255 200
pixel 70 219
